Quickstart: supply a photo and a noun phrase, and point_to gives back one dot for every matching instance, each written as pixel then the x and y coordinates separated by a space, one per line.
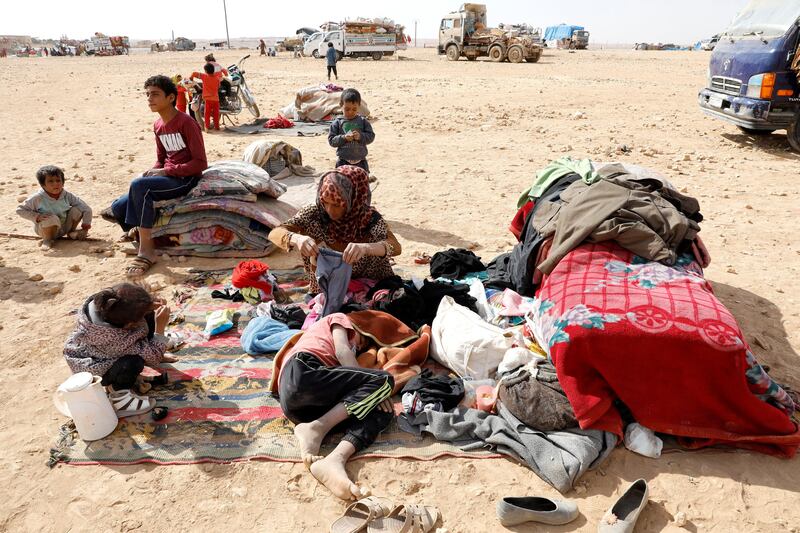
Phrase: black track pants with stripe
pixel 308 389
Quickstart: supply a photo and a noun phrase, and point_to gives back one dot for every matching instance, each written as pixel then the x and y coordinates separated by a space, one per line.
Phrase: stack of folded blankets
pixel 228 214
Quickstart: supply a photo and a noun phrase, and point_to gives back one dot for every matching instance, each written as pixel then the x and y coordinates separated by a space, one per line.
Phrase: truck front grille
pixel 726 85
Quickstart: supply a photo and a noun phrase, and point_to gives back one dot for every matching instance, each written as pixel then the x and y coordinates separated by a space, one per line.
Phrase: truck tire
pixel 497 53
pixel 793 133
pixel 377 56
pixel 315 54
pixel 534 58
pixel 516 54
pixel 453 52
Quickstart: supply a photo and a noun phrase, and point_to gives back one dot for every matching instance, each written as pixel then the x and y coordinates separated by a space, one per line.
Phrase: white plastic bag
pixel 643 441
pixel 463 342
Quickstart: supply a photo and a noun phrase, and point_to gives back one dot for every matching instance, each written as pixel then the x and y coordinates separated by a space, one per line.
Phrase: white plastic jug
pixel 83 398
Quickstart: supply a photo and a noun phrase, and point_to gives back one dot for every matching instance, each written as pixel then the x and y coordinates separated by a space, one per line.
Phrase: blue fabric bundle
pixel 265 335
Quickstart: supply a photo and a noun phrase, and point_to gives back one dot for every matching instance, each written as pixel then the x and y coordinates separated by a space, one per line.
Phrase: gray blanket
pixel 558 457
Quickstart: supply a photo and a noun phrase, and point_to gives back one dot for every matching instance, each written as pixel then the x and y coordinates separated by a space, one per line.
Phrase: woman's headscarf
pixel 348 187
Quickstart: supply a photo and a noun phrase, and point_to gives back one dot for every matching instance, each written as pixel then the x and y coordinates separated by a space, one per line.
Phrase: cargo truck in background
pixel 754 69
pixel 364 38
pixel 465 33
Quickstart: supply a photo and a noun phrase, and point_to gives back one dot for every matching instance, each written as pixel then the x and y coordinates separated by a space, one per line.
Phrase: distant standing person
pixel 211 81
pixel 263 47
pixel 351 133
pixel 330 55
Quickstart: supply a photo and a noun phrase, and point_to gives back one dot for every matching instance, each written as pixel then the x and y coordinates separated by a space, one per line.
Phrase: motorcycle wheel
pixel 253 108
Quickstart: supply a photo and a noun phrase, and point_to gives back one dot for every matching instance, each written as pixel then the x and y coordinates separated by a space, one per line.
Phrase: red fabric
pixel 180 102
pixel 278 122
pixel 212 110
pixel 180 149
pixel 249 273
pixel 676 357
pixel 210 85
pixel 518 223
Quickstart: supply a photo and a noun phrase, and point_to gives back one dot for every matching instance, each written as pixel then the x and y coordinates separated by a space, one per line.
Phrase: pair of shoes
pixel 375 515
pixel 515 511
pixel 621 518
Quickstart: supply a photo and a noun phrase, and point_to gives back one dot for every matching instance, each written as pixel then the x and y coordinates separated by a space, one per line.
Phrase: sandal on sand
pixel 406 519
pixel 139 266
pixel 126 403
pixel 359 514
pixel 174 341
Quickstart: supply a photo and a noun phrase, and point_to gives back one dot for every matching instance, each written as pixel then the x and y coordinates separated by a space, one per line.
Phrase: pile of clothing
pixel 318 103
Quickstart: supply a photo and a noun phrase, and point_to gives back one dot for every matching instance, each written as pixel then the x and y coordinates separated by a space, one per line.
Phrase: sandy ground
pixel 456 143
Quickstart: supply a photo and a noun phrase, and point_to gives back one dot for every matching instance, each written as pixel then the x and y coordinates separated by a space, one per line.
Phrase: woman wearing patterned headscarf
pixel 344 220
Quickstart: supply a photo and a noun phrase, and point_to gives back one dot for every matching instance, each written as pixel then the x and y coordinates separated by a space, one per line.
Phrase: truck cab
pixel 456 27
pixel 751 83
pixel 311 46
pixel 580 39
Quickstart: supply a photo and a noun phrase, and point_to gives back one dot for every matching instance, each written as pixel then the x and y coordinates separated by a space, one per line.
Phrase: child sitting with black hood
pixel 120 330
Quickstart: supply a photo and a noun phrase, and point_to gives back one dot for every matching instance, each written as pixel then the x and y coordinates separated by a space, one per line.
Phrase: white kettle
pixel 83 398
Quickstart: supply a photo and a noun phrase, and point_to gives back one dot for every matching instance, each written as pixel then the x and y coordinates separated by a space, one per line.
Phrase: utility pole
pixel 415 34
pixel 227 35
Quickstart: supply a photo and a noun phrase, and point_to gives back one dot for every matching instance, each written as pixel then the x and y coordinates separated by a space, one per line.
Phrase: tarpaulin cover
pixel 562 31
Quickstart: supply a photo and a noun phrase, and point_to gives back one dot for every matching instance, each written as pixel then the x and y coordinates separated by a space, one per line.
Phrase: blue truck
pixel 753 74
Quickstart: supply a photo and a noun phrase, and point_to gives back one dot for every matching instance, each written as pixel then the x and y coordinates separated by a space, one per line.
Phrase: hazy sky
pixel 615 21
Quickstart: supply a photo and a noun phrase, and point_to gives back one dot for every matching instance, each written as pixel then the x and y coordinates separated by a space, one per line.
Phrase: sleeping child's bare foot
pixel 330 472
pixel 310 436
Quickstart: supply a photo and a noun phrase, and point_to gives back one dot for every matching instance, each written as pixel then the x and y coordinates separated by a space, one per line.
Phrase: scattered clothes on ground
pixel 429 388
pixel 265 335
pixel 536 398
pixel 517 270
pixel 279 122
pixel 398 349
pixel 582 168
pixel 645 215
pixel 333 278
pixel 433 292
pixel 656 326
pixel 468 345
pixel 228 294
pixel 455 263
pixel 218 321
pixel 254 280
pixel 292 315
pixel 559 457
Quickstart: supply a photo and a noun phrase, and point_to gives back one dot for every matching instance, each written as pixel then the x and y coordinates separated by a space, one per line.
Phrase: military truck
pixel 465 33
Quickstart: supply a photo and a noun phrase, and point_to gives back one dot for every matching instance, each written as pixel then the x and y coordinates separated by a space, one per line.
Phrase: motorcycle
pixel 233 96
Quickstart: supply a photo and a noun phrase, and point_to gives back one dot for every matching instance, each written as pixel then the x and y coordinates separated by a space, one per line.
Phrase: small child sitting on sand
pixel 54 211
pixel 119 331
pixel 321 386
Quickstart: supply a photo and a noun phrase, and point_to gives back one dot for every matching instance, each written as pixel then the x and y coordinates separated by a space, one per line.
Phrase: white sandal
pixel 127 403
pixel 174 341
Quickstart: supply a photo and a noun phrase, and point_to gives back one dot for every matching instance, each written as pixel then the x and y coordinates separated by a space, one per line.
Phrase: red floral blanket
pixel 656 338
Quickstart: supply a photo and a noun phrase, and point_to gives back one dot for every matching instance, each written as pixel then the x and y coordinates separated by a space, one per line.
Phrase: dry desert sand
pixel 456 143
